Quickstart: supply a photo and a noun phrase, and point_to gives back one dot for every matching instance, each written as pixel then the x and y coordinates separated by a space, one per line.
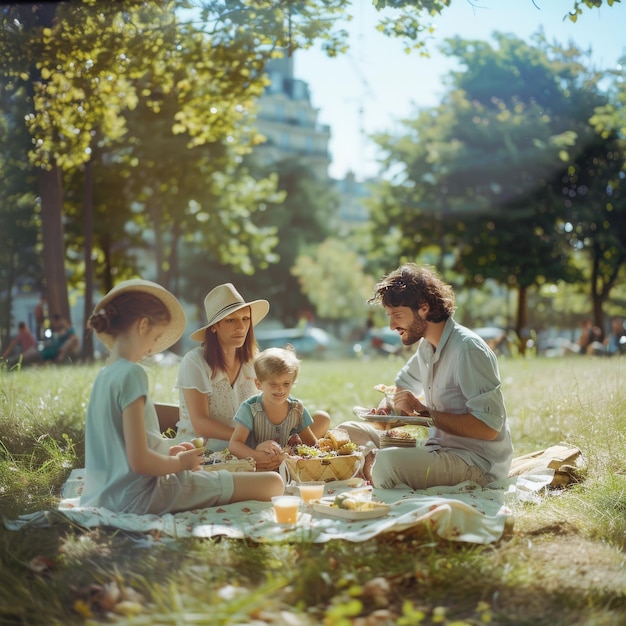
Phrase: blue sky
pixel 377 83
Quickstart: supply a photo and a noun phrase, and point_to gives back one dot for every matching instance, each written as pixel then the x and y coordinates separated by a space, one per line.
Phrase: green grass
pixel 563 563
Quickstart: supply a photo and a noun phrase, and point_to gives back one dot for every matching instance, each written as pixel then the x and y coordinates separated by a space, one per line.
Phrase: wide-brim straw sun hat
pixel 224 300
pixel 178 320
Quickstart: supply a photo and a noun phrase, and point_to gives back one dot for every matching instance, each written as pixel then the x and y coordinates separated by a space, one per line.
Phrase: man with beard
pixel 453 377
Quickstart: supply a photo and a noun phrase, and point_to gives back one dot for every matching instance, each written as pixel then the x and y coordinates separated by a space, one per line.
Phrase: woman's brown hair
pixel 214 355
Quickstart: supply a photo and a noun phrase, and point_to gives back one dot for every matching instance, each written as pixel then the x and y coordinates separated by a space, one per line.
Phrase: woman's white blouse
pixel 224 399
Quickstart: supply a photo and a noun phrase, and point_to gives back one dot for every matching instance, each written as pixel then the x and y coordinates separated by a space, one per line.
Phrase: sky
pixel 377 84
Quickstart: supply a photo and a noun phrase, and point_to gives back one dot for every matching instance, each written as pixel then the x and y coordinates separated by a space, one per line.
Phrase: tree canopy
pixel 127 127
pixel 484 173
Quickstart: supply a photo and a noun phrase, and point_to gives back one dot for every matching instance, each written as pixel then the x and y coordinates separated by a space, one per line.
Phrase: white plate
pixel 415 420
pixel 379 510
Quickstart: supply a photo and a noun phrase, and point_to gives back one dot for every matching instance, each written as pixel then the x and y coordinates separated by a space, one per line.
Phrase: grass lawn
pixel 563 562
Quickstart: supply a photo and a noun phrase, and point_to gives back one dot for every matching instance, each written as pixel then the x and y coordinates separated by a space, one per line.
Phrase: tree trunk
pixel 160 275
pixel 7 304
pixel 600 286
pixel 87 352
pixel 107 276
pixel 522 317
pixel 174 263
pixel 51 190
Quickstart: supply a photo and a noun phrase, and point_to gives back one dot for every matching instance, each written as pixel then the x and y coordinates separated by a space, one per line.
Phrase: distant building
pixel 288 121
pixel 352 210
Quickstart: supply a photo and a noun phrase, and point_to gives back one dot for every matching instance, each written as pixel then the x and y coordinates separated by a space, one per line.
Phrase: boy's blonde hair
pixel 276 361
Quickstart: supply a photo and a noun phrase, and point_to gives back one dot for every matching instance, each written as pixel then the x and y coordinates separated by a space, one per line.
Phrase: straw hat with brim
pixel 224 300
pixel 178 320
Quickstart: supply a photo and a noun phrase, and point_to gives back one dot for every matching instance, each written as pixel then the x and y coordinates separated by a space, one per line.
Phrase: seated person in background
pixel 591 340
pixel 616 340
pixel 28 347
pixel 267 422
pixel 458 376
pixel 64 342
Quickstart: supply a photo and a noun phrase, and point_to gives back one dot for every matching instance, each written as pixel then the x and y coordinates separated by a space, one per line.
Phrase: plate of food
pixel 350 506
pixel 392 420
pixel 397 438
pixel 225 460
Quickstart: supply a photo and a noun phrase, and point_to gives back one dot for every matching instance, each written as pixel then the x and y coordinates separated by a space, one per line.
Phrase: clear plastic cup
pixel 313 490
pixel 286 509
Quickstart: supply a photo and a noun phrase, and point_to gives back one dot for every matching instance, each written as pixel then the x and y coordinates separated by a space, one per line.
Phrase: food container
pixel 325 469
pixel 224 460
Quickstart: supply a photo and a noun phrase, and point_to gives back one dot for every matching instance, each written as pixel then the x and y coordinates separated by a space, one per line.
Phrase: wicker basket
pixel 326 469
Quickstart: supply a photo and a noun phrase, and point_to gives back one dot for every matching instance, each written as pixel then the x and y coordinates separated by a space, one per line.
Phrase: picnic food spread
pixel 335 442
pixel 389 391
pixel 225 460
pixel 397 438
pixel 386 389
pixel 369 415
pixel 334 457
pixel 354 504
pixel 354 501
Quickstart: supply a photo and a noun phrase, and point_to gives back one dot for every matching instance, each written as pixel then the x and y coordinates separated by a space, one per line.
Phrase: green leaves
pixel 483 175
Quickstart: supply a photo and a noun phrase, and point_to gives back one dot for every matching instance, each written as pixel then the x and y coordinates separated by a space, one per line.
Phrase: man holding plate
pixel 456 374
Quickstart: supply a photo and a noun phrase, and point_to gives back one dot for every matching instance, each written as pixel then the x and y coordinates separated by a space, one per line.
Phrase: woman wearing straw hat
pixel 216 377
pixel 129 467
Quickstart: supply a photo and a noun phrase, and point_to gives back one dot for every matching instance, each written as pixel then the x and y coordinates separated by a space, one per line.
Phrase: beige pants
pixel 419 468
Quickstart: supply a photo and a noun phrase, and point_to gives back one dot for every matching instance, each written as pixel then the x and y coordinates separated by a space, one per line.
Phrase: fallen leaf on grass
pixel 41 565
pixel 108 598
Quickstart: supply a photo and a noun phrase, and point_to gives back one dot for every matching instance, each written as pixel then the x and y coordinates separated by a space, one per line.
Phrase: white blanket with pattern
pixel 465 513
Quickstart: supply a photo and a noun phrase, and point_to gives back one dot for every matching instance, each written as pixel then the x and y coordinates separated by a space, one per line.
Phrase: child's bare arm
pixel 237 444
pixel 308 437
pixel 146 461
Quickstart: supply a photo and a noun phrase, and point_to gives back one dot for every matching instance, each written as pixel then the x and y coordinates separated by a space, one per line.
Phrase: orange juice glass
pixel 311 490
pixel 286 508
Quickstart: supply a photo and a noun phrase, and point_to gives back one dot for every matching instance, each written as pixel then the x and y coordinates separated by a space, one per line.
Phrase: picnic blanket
pixel 464 513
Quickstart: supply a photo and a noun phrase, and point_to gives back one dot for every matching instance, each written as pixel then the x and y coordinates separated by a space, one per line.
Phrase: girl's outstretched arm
pixel 141 458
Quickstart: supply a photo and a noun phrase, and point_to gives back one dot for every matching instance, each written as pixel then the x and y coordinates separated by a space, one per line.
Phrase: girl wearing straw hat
pixel 129 466
pixel 216 377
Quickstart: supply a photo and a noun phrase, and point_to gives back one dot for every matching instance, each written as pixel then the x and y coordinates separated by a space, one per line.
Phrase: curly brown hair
pixel 412 285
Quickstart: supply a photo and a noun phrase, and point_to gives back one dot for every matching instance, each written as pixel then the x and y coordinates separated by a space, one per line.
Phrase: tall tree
pixel 334 279
pixel 19 258
pixel 87 64
pixel 83 62
pixel 477 171
pixel 304 218
pixel 299 215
